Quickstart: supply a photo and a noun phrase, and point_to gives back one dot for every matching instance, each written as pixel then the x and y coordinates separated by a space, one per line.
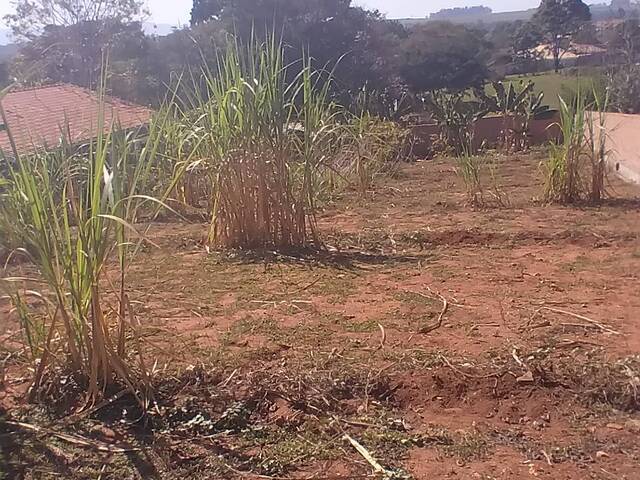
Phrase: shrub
pixel 456 113
pixel 480 176
pixel 624 89
pixel 371 148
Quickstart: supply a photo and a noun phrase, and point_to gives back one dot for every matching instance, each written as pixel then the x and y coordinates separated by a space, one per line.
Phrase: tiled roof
pixel 37 116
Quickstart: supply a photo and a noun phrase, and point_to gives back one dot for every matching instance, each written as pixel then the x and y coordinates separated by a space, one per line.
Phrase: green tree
pixel 74 53
pixel 205 10
pixel 67 40
pixel 31 17
pixel 326 30
pixel 557 21
pixel 624 80
pixel 182 53
pixel 625 40
pixel 443 55
pixel 525 39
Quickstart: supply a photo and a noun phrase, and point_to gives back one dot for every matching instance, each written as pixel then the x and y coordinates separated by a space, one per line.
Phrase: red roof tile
pixel 36 116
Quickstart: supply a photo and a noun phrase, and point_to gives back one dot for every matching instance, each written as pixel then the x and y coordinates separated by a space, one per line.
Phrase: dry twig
pixel 73 439
pixel 445 306
pixel 365 454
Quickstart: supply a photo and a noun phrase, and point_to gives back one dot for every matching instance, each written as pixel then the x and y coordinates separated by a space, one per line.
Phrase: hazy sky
pixel 177 11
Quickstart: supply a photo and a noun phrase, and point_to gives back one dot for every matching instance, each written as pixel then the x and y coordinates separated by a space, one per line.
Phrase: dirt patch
pixel 265 361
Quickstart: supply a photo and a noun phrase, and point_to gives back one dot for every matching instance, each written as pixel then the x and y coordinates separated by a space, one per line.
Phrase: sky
pixel 176 12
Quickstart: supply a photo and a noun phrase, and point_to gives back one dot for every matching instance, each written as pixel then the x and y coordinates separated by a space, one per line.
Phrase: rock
pixel 526 378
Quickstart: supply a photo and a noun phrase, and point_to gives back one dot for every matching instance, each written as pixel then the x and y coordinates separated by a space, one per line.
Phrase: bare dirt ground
pixel 267 363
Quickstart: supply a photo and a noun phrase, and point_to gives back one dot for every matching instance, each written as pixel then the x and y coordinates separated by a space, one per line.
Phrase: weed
pixel 480 176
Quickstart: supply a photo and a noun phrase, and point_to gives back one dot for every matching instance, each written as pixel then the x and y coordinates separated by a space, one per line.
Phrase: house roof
pixel 37 116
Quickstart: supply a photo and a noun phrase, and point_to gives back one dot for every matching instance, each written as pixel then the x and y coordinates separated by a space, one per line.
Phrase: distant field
pixel 555 85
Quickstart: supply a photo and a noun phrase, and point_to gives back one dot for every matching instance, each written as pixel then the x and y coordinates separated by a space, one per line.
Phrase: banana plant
pixel 455 114
pixel 518 104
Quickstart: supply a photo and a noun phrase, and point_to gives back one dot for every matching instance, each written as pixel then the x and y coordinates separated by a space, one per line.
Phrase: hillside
pixel 486 18
pixel 599 11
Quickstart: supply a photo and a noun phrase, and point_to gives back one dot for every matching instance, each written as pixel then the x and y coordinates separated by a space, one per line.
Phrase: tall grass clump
pixel 596 147
pixel 72 210
pixel 576 168
pixel 371 148
pixel 264 129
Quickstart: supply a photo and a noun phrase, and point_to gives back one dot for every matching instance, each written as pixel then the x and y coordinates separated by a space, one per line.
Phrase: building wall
pixel 623 145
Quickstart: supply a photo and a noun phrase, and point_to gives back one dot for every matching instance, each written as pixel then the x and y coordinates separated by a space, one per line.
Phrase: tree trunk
pixel 556 56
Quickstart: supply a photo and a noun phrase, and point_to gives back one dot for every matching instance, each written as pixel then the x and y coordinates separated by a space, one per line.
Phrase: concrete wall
pixel 623 139
pixel 623 145
pixel 487 131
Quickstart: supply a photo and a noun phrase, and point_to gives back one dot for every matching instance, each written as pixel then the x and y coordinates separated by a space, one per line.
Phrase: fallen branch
pixel 383 337
pixel 498 374
pixel 270 477
pixel 582 317
pixel 478 325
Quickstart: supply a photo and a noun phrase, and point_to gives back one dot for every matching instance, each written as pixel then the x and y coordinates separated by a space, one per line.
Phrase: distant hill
pixel 486 18
pixel 473 15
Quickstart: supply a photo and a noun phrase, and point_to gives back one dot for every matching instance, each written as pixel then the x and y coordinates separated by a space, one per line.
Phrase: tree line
pixel 63 41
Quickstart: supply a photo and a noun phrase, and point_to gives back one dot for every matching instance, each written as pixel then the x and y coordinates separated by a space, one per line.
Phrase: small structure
pixel 577 55
pixel 41 116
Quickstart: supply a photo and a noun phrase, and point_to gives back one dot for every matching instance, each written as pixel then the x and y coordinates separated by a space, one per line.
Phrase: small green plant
pixel 371 148
pixel 470 169
pixel 481 178
pixel 596 146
